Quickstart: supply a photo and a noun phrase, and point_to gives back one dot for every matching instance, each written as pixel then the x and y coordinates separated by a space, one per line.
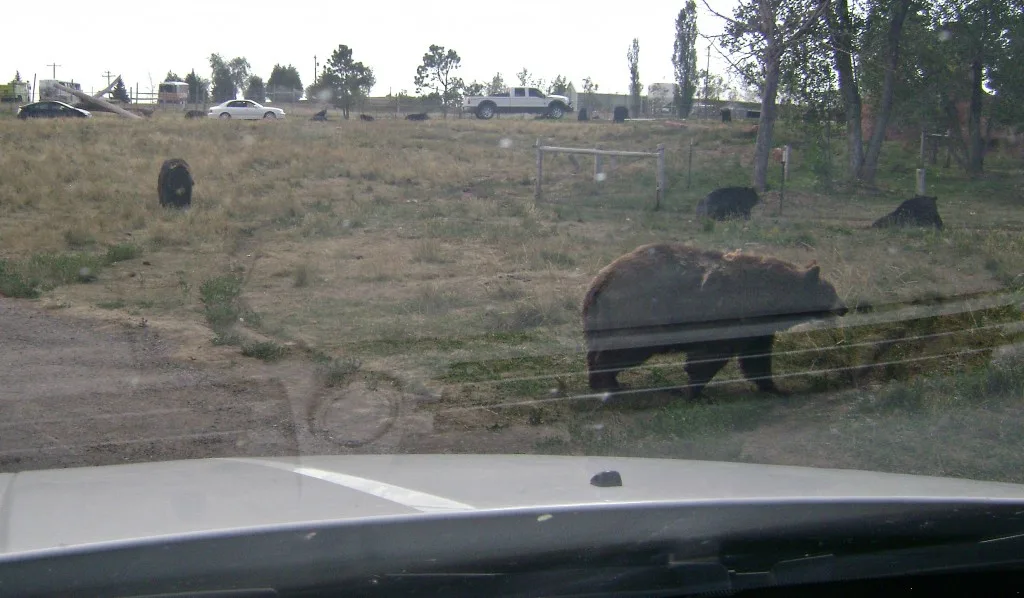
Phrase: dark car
pixel 51 109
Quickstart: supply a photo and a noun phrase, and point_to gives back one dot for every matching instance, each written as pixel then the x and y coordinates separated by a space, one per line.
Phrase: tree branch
pixel 744 27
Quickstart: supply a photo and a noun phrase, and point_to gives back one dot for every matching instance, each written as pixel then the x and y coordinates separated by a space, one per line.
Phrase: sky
pixel 143 40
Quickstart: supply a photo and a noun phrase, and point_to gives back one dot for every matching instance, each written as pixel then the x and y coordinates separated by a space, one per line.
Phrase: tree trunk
pixel 766 124
pixel 870 166
pixel 841 31
pixel 975 144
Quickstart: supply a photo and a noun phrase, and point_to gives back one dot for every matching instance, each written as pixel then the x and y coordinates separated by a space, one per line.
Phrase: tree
pixel 198 88
pixel 475 88
pixel 524 77
pixel 1007 77
pixel 239 68
pixel 119 92
pixel 761 31
pixel 224 88
pixel 255 90
pixel 633 58
pixel 172 76
pixel 589 89
pixel 497 85
pixel 714 85
pixel 437 74
pixel 345 80
pixel 684 58
pixel 560 86
pixel 17 77
pixel 284 83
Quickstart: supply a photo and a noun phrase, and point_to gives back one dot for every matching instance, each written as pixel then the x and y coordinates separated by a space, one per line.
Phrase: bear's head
pixel 822 299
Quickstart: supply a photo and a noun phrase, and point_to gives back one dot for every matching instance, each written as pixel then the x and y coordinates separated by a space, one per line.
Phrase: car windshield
pixel 786 233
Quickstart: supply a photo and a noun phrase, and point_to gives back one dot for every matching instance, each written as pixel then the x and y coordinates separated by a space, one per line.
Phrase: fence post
pixel 920 181
pixel 689 165
pixel 661 177
pixel 597 164
pixel 782 186
pixel 785 163
pixel 922 148
pixel 540 171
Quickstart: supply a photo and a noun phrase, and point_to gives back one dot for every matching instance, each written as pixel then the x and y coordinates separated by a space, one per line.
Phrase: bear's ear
pixel 813 274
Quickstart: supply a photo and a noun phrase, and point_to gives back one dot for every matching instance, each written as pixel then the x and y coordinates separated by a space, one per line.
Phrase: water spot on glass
pixel 545 517
pixel 600 177
pixel 505 143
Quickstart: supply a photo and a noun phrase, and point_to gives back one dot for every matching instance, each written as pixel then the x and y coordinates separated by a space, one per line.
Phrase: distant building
pixel 172 92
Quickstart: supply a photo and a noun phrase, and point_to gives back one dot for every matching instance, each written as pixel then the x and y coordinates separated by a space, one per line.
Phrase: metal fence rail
pixel 658 154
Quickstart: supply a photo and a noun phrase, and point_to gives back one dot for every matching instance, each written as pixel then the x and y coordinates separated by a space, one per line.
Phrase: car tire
pixel 556 110
pixel 224 116
pixel 270 116
pixel 485 111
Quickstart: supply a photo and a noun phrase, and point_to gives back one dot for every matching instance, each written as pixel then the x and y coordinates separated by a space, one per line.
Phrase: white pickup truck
pixel 518 100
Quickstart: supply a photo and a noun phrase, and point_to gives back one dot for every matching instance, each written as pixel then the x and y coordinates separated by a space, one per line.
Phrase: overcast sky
pixel 143 40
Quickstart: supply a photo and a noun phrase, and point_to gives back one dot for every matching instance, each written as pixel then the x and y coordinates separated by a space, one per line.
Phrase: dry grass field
pixel 411 258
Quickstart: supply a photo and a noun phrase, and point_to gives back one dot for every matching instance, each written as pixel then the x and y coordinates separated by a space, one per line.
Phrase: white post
pixel 661 176
pixel 920 181
pixel 785 163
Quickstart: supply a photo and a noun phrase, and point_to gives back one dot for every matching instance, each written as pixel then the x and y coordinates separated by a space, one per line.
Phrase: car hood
pixel 72 507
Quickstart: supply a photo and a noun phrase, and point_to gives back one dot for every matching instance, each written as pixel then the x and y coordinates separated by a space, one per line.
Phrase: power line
pixel 54 66
pixel 108 74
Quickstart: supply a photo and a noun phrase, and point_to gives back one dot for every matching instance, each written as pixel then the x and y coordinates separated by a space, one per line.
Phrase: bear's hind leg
pixel 756 363
pixel 701 367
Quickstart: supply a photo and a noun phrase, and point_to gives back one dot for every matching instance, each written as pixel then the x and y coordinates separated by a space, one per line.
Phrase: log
pixel 89 100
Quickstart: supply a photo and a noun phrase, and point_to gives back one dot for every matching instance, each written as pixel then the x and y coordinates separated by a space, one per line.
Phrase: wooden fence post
pixel 540 171
pixel 597 164
pixel 661 177
pixel 923 137
pixel 921 187
pixel 785 163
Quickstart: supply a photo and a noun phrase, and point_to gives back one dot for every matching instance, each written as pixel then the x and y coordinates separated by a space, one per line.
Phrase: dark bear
pixel 174 185
pixel 728 202
pixel 418 116
pixel 917 211
pixel 582 115
pixel 620 114
pixel 669 297
pixel 320 116
pixel 195 114
pixel 366 117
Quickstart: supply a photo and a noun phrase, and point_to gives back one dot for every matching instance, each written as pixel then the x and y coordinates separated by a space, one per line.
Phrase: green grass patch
pixel 336 372
pixel 114 304
pixel 264 350
pixel 122 252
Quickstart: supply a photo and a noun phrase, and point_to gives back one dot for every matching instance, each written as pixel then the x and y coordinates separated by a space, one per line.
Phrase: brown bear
pixel 174 184
pixel 670 297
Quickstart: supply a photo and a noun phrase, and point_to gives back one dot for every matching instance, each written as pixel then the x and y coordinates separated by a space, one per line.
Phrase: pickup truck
pixel 518 100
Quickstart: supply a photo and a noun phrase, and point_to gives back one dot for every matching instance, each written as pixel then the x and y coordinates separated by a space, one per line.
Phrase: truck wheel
pixel 556 111
pixel 485 111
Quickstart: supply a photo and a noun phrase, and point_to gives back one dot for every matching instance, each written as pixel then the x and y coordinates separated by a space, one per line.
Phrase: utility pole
pixel 54 65
pixel 707 76
pixel 316 68
pixel 108 74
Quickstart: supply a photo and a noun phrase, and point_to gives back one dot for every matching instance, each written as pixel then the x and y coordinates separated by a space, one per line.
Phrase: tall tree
pixel 255 90
pixel 224 88
pixel 284 84
pixel 843 32
pixel 684 58
pixel 497 84
pixel 198 88
pixel 172 76
pixel 635 88
pixel 240 72
pixel 346 80
pixel 761 31
pixel 474 89
pixel 437 73
pixel 17 77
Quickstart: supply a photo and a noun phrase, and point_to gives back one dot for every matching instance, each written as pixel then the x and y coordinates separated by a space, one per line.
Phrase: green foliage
pixel 228 77
pixel 336 372
pixel 14 283
pixel 344 80
pixel 122 252
pixel 172 76
pixel 633 60
pixel 219 297
pixel 283 84
pixel 560 86
pixel 684 58
pixel 255 90
pixel 437 73
pixel 198 88
pixel 264 350
pixel 120 93
pixel 497 84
